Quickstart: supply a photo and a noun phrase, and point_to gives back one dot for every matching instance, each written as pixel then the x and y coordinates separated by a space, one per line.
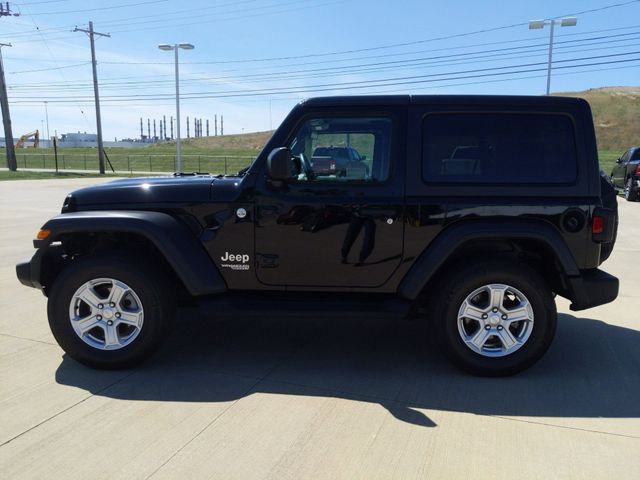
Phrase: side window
pixel 342 149
pixel 636 155
pixel 625 158
pixel 498 148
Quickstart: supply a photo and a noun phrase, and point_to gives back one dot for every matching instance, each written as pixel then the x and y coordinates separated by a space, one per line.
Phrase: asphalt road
pixel 255 398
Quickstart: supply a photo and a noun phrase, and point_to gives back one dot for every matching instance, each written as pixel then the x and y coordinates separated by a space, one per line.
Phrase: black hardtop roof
pixel 538 100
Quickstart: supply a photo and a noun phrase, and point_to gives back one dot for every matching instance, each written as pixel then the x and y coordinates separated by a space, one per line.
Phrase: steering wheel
pixel 306 167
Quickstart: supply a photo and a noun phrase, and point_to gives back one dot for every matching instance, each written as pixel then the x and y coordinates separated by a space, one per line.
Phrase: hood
pixel 153 191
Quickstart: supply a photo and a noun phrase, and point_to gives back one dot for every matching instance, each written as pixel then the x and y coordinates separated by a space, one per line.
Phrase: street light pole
pixel 46 114
pixel 175 47
pixel 178 141
pixel 553 24
pixel 538 24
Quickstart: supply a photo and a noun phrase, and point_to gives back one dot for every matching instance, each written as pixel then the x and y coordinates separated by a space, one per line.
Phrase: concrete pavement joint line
pixel 28 339
pixel 215 419
pixel 67 409
pixel 586 430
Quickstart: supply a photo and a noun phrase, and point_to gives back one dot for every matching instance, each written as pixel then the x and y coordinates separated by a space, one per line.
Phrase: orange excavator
pixel 36 139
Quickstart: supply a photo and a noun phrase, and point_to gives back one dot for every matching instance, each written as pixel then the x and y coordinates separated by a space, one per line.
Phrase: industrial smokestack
pixel 221 125
pixel 171 128
pixel 141 130
pixel 207 127
pixel 187 127
pixel 216 125
pixel 164 123
pixel 148 129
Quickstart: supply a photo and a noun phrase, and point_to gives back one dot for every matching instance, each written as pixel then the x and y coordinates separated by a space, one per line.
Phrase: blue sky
pixel 254 59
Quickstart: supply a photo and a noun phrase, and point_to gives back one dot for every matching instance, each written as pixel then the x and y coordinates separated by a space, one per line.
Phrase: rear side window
pixel 498 148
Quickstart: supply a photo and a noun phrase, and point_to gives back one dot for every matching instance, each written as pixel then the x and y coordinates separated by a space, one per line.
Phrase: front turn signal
pixel 43 234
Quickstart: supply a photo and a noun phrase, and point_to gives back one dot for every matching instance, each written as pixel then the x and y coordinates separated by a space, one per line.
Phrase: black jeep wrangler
pixel 471 212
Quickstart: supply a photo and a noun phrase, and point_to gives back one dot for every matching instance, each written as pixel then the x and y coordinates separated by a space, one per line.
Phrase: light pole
pixel 175 47
pixel 46 113
pixel 538 24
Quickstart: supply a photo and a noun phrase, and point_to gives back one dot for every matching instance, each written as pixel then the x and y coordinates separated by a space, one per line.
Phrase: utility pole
pixel 92 34
pixel 6 118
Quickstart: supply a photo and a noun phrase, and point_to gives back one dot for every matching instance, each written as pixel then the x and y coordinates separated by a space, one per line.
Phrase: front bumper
pixel 594 287
pixel 28 270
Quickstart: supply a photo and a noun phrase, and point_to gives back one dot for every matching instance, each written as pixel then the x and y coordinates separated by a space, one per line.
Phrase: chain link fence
pixel 133 163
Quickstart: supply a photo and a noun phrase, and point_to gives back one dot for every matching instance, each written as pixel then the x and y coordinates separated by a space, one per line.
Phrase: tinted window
pixel 498 148
pixel 342 149
pixel 636 155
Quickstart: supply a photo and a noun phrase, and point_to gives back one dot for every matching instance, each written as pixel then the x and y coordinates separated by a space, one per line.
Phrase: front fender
pixel 182 251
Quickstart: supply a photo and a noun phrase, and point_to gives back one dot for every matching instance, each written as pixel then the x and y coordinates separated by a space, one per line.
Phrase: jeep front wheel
pixel 496 318
pixel 110 312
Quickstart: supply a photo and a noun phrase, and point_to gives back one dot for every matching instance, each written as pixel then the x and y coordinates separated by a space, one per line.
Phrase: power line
pixel 122 5
pixel 61 67
pixel 60 72
pixel 21 4
pixel 420 61
pixel 132 85
pixel 396 81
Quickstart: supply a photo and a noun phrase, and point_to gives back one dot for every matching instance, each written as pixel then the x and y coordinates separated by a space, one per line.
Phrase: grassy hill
pixel 616 115
pixel 240 144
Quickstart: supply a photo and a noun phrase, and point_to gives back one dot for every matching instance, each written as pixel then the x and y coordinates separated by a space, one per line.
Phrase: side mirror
pixel 619 160
pixel 279 164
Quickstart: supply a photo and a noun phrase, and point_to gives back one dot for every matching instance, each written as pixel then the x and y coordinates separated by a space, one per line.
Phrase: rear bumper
pixel 594 287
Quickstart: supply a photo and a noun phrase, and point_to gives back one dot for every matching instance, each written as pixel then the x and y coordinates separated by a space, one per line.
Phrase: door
pixel 618 173
pixel 337 222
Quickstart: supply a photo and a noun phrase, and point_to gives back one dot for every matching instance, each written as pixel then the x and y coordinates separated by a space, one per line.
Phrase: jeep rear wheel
pixel 110 311
pixel 497 318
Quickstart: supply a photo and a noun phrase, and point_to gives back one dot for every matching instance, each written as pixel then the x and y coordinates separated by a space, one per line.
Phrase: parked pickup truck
pixel 626 174
pixel 477 254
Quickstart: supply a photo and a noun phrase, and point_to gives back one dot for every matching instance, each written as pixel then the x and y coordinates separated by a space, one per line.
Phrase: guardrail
pixel 135 163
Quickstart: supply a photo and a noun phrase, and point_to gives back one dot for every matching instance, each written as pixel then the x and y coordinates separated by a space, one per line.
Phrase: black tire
pixel 465 280
pixel 630 192
pixel 150 284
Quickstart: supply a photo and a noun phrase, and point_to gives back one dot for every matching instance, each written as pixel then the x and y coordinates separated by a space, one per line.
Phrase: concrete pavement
pixel 255 398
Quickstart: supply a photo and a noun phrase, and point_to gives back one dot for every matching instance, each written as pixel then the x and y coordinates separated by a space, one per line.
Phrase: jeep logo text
pixel 228 257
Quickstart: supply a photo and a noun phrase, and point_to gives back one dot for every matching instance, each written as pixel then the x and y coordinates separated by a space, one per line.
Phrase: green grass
pixel 608 159
pixel 22 175
pixel 144 159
